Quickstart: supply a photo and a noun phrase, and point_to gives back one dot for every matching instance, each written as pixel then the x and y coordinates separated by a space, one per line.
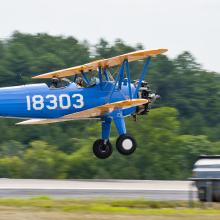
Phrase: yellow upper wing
pixel 104 63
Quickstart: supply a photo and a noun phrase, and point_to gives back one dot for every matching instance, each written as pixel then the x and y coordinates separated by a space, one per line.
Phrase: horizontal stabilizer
pixel 92 113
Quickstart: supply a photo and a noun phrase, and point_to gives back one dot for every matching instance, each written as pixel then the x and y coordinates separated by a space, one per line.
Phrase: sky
pixel 187 25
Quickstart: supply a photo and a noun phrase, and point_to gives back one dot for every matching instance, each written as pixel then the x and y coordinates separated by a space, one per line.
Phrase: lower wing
pixel 91 113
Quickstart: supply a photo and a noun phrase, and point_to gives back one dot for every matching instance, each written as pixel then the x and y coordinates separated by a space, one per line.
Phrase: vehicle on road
pixel 206 174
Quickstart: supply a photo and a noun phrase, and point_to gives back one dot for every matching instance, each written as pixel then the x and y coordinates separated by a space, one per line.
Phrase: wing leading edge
pixel 104 63
pixel 91 113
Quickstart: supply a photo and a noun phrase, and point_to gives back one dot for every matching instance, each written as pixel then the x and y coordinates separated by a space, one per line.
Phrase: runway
pixel 148 189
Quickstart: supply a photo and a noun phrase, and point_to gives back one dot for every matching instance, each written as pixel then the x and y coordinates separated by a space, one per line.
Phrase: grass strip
pixel 137 206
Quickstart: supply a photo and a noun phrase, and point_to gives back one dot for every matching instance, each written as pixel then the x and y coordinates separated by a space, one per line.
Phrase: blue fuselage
pixel 40 101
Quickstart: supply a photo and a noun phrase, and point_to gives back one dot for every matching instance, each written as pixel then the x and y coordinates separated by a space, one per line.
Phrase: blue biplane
pixel 99 97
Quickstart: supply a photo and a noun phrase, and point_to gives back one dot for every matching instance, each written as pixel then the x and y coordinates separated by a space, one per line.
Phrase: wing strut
pixel 143 73
pixel 106 74
pixel 100 76
pixel 129 77
pixel 85 78
pixel 119 79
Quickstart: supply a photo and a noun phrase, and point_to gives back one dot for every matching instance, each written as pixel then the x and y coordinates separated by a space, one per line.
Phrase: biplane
pixel 93 93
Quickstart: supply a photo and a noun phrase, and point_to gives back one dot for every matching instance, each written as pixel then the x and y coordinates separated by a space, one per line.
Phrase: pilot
pixel 54 83
pixel 79 81
pixel 94 80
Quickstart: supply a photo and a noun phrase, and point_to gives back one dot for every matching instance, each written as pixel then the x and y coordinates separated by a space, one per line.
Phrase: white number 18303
pixel 64 101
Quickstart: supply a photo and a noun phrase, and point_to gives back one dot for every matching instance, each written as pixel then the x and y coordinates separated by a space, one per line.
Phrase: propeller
pixel 145 93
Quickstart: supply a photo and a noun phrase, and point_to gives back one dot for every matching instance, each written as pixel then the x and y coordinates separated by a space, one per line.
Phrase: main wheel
pixel 101 149
pixel 126 144
pixel 202 194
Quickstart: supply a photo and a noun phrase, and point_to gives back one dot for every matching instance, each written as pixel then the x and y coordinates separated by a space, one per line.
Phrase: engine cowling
pixel 145 93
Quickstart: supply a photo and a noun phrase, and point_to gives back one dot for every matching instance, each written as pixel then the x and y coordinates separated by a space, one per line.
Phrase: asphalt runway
pixel 148 189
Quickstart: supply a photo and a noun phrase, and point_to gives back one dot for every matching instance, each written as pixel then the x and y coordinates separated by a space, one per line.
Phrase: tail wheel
pixel 126 144
pixel 102 149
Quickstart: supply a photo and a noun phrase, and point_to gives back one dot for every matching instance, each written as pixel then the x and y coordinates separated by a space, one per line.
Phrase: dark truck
pixel 206 174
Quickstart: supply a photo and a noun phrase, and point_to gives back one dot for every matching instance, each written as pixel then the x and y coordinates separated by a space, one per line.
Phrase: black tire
pixel 102 150
pixel 126 144
pixel 202 194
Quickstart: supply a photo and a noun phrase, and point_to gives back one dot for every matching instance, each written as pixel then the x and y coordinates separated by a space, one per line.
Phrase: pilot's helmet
pixel 95 80
pixel 55 80
pixel 79 81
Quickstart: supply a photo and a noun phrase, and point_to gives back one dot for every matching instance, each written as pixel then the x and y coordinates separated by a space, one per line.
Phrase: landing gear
pixel 102 149
pixel 126 144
